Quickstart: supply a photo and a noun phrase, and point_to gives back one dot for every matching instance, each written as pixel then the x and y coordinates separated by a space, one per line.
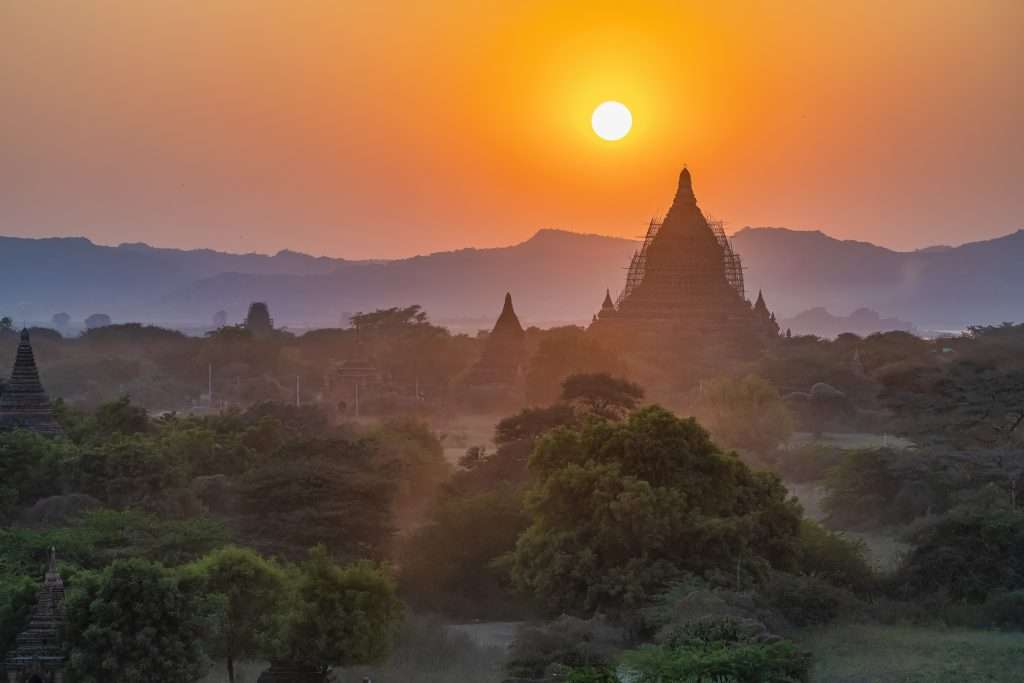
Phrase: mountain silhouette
pixel 555 276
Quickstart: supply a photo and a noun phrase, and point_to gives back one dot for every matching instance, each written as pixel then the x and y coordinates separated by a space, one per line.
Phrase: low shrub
pixel 567 642
pixel 965 557
pixel 1006 610
pixel 831 556
pixel 779 662
pixel 806 600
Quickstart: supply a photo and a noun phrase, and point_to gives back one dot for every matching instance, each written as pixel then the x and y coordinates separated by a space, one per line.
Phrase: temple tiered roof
pixel 38 651
pixel 684 282
pixel 24 403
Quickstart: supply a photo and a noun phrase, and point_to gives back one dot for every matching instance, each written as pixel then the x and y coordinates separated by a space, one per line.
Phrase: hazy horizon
pixel 157 245
pixel 409 128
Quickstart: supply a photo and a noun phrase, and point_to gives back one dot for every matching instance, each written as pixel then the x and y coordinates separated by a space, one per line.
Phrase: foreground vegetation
pixel 632 541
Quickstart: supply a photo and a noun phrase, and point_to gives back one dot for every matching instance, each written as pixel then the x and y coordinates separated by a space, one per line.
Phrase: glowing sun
pixel 611 120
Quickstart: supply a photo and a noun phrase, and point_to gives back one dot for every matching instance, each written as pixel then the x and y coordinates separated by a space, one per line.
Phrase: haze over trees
pixel 668 550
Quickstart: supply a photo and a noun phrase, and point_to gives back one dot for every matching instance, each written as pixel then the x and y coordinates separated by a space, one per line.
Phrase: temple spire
pixel 760 305
pixel 608 303
pixel 508 321
pixel 24 403
pixel 684 192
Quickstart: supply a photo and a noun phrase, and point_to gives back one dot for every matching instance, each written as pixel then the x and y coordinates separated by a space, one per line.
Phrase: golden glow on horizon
pixel 216 124
pixel 611 120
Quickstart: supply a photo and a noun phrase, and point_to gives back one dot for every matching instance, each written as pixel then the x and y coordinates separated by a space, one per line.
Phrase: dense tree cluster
pixel 619 509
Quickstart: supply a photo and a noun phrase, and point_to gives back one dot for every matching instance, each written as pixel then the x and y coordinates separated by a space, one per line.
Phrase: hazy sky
pixel 385 128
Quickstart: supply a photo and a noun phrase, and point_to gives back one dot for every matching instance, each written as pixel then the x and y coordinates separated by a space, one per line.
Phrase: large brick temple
pixel 684 291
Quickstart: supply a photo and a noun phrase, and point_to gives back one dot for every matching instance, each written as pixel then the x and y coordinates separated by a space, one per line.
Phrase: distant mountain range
pixel 818 321
pixel 554 276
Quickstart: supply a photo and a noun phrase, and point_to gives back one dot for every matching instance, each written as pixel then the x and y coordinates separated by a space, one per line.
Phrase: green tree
pixel 745 412
pixel 121 417
pixel 31 467
pixel 602 394
pixel 966 556
pixel 449 563
pixel 320 491
pixel 254 600
pixel 835 558
pixel 136 621
pixel 620 508
pixel 342 615
pixel 390 318
pixel 17 595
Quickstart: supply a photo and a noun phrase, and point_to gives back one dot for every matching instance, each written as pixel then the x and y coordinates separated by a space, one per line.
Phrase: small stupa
pixel 504 350
pixel 38 655
pixel 24 404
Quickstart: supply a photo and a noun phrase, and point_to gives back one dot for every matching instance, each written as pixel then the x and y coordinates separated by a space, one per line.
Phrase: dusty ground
pixel 851 440
pixel 894 654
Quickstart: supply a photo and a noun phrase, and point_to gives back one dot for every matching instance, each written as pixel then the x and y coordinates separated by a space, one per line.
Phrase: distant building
pixel 258 320
pixel 684 291
pixel 504 351
pixel 38 655
pixel 24 404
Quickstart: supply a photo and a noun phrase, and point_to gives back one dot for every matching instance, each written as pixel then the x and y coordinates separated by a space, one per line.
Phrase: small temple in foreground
pixel 684 290
pixel 24 404
pixel 38 654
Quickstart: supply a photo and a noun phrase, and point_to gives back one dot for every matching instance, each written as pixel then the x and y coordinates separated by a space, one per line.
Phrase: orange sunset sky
pixel 383 129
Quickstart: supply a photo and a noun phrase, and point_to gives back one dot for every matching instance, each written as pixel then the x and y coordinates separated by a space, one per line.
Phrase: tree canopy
pixel 136 621
pixel 618 509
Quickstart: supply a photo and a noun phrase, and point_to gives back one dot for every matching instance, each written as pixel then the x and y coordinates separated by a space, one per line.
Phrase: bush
pixel 966 557
pixel 719 661
pixel 1006 610
pixel 566 642
pixel 805 600
pixel 831 556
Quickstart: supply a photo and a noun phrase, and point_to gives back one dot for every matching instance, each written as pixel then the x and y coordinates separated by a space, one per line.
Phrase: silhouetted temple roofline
pixel 38 653
pixel 508 321
pixel 684 191
pixel 24 403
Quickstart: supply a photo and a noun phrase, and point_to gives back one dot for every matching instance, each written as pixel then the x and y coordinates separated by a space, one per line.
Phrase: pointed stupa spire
pixel 24 403
pixel 608 303
pixel 684 192
pixel 508 322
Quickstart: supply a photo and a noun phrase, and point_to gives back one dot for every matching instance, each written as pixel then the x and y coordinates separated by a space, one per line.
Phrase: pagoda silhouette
pixel 504 351
pixel 38 655
pixel 684 290
pixel 24 404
